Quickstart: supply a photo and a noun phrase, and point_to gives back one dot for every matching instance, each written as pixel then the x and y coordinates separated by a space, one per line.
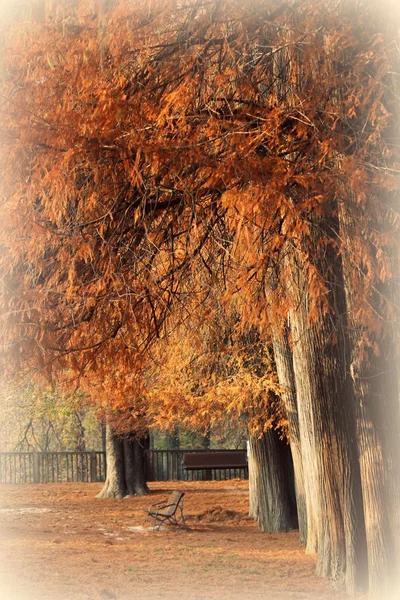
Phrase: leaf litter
pixel 91 549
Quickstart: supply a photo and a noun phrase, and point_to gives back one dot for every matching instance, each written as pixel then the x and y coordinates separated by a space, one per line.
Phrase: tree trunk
pixel 125 466
pixel 271 483
pixel 327 427
pixel 315 505
pixel 253 481
pixel 375 379
pixel 284 367
pixel 378 428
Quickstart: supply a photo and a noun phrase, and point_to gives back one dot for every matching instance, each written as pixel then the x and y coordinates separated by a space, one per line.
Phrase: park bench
pixel 236 459
pixel 170 510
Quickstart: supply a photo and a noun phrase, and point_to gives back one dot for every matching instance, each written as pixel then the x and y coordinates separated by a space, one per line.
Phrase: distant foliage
pixel 43 420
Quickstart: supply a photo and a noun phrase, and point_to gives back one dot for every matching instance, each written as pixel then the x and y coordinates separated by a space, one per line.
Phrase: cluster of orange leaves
pixel 154 151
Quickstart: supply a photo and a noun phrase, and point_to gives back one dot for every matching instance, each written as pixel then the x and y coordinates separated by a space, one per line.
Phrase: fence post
pixel 36 467
pixel 93 466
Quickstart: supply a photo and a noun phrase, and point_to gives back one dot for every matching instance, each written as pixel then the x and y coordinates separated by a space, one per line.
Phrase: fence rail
pixel 51 467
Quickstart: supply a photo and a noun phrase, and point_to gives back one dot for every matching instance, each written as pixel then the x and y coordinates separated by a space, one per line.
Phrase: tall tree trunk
pixel 271 483
pixel 378 428
pixel 315 505
pixel 253 481
pixel 115 484
pixel 284 367
pixel 134 466
pixel 375 379
pixel 327 427
pixel 125 466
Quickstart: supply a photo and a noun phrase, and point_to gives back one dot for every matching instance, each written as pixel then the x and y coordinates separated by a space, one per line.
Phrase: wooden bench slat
pixel 215 460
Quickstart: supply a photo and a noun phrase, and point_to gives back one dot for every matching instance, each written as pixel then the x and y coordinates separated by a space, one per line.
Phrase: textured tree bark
pixel 378 429
pixel 134 466
pixel 253 480
pixel 125 467
pixel 284 367
pixel 115 484
pixel 315 506
pixel 327 429
pixel 271 483
pixel 376 383
pixel 325 396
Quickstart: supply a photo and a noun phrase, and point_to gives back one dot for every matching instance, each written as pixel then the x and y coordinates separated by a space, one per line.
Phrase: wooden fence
pixel 51 467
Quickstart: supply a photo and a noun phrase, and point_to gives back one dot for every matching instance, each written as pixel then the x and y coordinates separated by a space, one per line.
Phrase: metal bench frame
pixel 170 510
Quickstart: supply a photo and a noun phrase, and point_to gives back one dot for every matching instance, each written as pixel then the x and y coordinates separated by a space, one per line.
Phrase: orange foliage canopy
pixel 150 149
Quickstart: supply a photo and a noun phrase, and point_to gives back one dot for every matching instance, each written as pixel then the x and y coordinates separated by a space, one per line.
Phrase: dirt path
pixel 58 542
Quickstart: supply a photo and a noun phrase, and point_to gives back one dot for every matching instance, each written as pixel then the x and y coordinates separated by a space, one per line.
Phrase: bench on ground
pixel 170 510
pixel 230 459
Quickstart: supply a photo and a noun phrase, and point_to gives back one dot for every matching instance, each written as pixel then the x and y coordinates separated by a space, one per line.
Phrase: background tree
pixel 41 419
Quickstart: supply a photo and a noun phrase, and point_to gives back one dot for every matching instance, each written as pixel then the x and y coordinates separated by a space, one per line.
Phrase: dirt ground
pixel 58 542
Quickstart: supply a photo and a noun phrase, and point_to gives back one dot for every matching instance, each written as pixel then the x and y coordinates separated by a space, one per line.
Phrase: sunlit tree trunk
pixel 378 428
pixel 271 483
pixel 284 367
pixel 253 479
pixel 315 506
pixel 125 467
pixel 327 426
